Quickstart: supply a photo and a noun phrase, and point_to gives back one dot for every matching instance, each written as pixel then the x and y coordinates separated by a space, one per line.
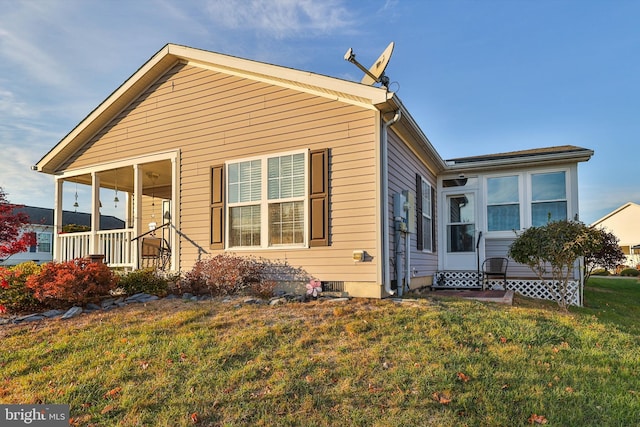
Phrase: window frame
pixel 427 236
pixel 531 202
pixel 519 202
pixel 525 191
pixel 264 202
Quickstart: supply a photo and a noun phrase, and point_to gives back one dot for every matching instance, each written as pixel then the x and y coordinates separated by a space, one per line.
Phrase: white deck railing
pixel 115 245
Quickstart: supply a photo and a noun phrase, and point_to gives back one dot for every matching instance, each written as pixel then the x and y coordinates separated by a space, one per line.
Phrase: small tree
pixel 13 239
pixel 605 253
pixel 551 251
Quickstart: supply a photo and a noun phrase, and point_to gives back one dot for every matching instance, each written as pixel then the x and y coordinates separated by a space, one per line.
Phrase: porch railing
pixel 115 245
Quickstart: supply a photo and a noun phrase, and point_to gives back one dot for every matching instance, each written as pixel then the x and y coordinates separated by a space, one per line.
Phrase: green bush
pixel 144 281
pixel 600 272
pixel 14 295
pixel 630 272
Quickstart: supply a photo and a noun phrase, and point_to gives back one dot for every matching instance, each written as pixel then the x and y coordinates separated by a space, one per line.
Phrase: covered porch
pixel 139 191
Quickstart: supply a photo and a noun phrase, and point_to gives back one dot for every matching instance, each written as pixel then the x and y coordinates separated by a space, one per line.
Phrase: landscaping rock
pixel 72 312
pixel 93 307
pixel 109 302
pixel 52 313
pixel 187 296
pixel 29 318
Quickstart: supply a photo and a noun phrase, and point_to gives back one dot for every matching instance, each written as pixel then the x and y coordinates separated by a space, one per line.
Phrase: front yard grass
pixel 358 363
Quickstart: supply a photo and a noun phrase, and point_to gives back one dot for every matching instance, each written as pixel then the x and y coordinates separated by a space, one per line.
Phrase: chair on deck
pixel 155 252
pixel 494 267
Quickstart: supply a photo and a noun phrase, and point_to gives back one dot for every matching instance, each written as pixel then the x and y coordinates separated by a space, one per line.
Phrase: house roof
pixel 347 91
pixel 531 157
pixel 366 96
pixel 615 212
pixel 44 216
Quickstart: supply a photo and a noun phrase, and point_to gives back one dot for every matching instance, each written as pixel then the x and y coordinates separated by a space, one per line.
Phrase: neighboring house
pixel 41 225
pixel 330 175
pixel 624 224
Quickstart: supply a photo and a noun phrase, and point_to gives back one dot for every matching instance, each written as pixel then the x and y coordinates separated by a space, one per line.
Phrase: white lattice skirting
pixel 533 288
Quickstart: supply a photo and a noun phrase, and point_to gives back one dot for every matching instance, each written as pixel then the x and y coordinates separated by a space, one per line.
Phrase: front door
pixel 460 232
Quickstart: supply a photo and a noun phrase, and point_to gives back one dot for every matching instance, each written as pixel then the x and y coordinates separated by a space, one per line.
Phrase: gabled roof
pixel 351 92
pixel 44 216
pixel 615 212
pixel 548 155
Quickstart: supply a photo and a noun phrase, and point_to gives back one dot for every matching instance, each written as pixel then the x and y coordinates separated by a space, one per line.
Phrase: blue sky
pixel 479 77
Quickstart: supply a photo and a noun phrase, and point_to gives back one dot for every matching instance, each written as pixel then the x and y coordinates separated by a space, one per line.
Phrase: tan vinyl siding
pixel 403 166
pixel 212 117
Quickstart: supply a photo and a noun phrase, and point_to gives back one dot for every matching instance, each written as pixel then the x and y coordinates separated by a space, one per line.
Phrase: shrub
pixel 224 274
pixel 14 295
pixel 600 272
pixel 78 281
pixel 145 280
pixel 263 288
pixel 630 272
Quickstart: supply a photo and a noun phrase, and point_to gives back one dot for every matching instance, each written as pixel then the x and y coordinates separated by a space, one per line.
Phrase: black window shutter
pixel 319 198
pixel 217 207
pixel 419 231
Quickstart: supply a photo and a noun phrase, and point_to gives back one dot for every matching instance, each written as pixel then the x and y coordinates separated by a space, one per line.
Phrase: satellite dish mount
pixel 375 73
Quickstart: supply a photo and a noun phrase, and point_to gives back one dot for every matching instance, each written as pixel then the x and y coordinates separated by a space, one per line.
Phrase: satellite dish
pixel 375 73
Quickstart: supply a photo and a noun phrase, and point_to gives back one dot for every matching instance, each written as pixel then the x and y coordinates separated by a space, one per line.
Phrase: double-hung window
pixel 427 216
pixel 548 197
pixel 266 201
pixel 503 203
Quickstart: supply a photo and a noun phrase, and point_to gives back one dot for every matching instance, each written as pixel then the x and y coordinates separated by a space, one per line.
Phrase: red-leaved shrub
pixel 14 295
pixel 78 281
pixel 223 274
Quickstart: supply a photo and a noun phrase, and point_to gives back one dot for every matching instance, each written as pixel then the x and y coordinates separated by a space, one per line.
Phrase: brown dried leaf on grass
pixel 537 419
pixel 442 398
pixel 464 378
pixel 112 393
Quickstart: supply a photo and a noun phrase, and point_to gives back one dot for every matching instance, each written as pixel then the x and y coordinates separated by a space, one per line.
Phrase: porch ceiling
pixel 156 177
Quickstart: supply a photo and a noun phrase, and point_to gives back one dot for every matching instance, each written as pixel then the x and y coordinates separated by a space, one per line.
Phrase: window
pixel 548 197
pixel 266 201
pixel 425 212
pixel 44 242
pixel 503 203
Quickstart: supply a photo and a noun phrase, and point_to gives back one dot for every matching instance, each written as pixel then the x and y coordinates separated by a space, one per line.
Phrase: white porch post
pixel 57 217
pixel 175 202
pixel 137 211
pixel 94 242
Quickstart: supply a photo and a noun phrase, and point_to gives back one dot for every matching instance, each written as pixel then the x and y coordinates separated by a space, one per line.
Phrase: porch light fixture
pixel 115 199
pixel 75 204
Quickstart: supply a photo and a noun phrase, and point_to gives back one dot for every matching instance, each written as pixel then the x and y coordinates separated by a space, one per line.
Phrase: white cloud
pixel 280 18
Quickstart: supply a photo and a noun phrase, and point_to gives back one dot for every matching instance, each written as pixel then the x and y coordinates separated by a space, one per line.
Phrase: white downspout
pixel 385 203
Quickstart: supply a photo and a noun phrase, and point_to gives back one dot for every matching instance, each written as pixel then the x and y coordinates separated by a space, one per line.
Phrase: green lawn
pixel 437 362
